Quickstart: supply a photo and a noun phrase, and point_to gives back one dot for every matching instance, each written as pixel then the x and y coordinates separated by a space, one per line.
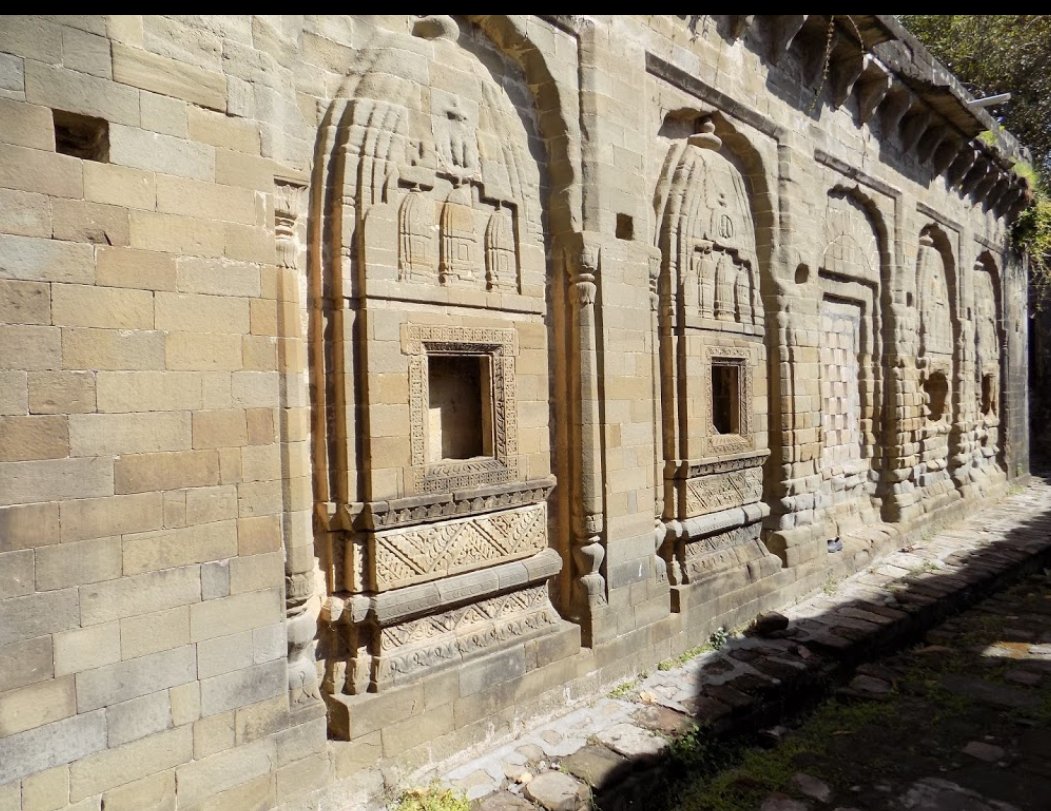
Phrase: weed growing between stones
pixel 432 798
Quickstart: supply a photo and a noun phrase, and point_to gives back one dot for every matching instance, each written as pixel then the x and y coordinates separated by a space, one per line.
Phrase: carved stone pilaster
pixel 289 200
pixel 589 589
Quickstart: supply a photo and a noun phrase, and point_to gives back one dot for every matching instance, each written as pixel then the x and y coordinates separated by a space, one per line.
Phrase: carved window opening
pixel 460 407
pixel 988 396
pixel 475 371
pixel 625 227
pixel 81 136
pixel 936 389
pixel 726 398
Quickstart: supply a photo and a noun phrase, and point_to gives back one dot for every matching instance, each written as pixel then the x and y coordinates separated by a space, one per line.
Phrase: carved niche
pixel 436 546
pixel 935 360
pixel 988 343
pixel 711 326
pixel 849 352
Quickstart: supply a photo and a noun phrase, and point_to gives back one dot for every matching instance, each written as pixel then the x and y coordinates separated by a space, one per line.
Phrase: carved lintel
pixel 895 105
pixel 874 85
pixel 845 74
pixel 784 28
pixel 739 23
pixel 959 168
pixel 914 126
pixel 945 154
pixel 931 140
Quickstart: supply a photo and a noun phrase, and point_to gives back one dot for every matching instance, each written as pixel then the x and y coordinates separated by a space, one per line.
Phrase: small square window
pixel 726 398
pixel 81 136
pixel 460 407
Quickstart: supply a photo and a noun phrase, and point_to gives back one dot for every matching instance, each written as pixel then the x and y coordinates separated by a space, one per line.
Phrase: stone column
pixel 587 524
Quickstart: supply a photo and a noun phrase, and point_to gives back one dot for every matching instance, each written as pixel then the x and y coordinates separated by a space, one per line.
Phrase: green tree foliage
pixel 1007 53
pixel 999 53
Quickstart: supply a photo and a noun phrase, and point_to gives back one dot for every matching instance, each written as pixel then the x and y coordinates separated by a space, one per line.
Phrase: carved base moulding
pixel 422 645
pixel 405 634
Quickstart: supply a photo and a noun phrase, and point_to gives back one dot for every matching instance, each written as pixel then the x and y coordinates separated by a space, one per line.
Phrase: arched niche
pixel 989 343
pixel 852 277
pixel 432 227
pixel 937 362
pixel 711 325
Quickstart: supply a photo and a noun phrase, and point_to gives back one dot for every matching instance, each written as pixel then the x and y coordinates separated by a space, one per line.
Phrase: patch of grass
pixel 924 568
pixel 623 688
pixel 432 798
pixel 831 585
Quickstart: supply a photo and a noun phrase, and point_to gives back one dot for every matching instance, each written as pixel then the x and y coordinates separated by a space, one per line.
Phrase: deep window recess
pixel 81 136
pixel 459 424
pixel 936 388
pixel 988 401
pixel 726 398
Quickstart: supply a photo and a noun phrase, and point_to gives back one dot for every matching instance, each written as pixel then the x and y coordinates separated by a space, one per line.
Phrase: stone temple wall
pixel 370 384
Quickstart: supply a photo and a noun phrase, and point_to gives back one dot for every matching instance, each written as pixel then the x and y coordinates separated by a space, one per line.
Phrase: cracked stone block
pixel 596 765
pixel 631 741
pixel 557 792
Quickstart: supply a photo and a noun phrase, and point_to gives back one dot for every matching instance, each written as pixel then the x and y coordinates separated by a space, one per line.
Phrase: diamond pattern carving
pixel 417 554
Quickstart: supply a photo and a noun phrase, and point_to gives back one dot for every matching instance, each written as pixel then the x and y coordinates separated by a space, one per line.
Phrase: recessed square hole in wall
pixel 625 227
pixel 936 389
pixel 726 398
pixel 460 419
pixel 81 136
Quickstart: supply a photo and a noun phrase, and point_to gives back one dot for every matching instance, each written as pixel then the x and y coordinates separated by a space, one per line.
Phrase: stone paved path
pixel 609 749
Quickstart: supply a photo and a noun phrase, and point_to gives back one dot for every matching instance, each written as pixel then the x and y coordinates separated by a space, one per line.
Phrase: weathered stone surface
pixel 632 742
pixel 437 315
pixel 596 766
pixel 503 801
pixel 555 791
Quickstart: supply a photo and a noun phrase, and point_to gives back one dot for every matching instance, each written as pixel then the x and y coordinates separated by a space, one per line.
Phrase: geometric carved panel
pixel 454 635
pixel 713 493
pixel 840 409
pixel 430 551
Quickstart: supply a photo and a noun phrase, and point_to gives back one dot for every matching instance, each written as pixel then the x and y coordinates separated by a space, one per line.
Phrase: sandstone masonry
pixel 369 384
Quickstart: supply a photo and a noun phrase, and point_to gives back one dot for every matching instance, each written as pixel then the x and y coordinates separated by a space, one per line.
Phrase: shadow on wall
pixel 1040 380
pixel 755 683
